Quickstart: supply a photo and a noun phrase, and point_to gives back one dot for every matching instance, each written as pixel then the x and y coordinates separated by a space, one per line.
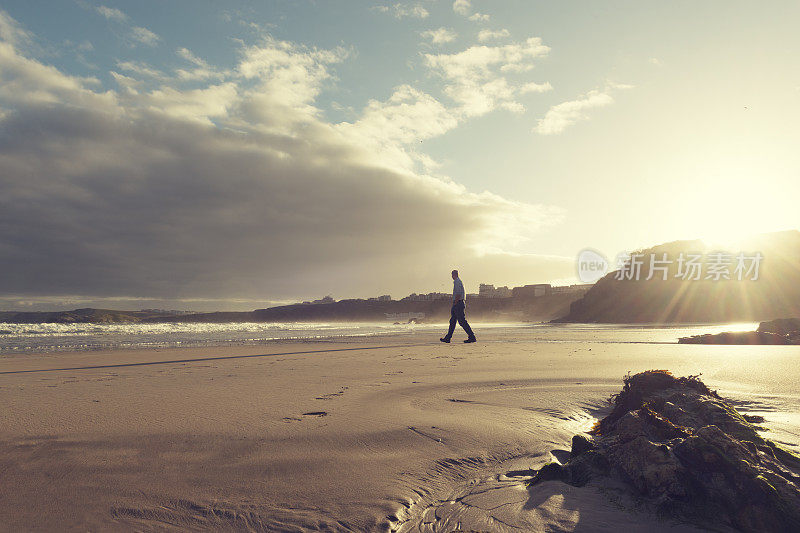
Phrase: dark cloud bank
pixel 105 195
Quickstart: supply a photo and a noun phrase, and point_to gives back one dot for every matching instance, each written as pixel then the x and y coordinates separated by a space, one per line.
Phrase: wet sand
pixel 362 434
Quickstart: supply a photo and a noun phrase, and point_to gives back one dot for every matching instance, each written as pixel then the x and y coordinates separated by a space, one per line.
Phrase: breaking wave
pixel 68 337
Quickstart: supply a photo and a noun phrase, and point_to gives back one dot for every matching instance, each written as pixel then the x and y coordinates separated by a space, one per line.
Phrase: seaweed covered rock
pixel 741 337
pixel 689 453
pixel 780 326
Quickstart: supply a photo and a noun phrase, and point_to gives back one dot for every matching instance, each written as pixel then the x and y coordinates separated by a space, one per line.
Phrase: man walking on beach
pixel 457 311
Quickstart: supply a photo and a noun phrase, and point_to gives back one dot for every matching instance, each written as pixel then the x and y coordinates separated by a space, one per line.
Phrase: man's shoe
pixel 445 339
pixel 471 339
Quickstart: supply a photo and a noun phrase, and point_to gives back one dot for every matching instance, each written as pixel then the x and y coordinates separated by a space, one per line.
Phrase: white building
pixel 414 297
pixel 578 288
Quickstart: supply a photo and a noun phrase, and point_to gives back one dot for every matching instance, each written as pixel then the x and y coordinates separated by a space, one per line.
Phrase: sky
pixel 204 155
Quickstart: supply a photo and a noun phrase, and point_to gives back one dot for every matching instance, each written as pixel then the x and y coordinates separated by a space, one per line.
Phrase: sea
pixel 41 338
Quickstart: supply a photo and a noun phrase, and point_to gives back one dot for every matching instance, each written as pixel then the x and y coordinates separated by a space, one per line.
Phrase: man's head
pixel 454 274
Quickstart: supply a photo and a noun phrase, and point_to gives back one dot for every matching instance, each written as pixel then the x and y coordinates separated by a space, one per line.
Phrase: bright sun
pixel 726 211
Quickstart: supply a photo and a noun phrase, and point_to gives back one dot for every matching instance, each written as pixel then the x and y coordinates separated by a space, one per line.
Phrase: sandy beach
pixel 362 434
pixel 233 234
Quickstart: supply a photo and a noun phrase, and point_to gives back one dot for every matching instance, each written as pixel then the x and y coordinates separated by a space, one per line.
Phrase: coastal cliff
pixel 515 309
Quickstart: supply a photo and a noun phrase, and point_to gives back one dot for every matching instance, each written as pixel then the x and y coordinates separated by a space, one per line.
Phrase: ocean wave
pixel 11 330
pixel 66 337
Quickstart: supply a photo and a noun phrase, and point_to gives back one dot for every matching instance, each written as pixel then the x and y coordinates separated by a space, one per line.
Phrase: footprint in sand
pixel 425 434
pixel 331 395
pixel 316 413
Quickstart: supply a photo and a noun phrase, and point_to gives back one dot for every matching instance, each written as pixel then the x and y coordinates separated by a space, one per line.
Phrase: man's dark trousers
pixel 457 315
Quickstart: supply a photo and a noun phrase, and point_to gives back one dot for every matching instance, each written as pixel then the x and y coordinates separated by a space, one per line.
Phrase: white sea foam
pixel 57 337
pixel 11 330
pixel 15 338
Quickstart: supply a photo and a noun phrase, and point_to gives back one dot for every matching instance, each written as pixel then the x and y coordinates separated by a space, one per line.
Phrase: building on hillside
pixel 502 292
pixel 486 290
pixel 414 297
pixel 531 291
pixel 578 288
pixel 326 300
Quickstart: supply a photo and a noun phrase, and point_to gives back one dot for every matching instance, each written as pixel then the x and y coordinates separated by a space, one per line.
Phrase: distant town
pixel 485 290
pixel 528 303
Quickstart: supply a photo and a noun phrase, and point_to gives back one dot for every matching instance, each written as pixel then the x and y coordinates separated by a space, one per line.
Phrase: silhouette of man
pixel 457 311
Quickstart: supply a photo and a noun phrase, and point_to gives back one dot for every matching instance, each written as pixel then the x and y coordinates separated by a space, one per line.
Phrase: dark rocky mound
pixel 781 326
pixel 740 337
pixel 780 331
pixel 85 315
pixel 689 454
pixel 675 300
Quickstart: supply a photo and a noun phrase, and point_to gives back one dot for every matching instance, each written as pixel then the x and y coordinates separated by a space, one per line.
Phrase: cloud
pixel 287 78
pixel 11 32
pixel 462 7
pixel 559 117
pixel 479 61
pixel 490 35
pixel 400 10
pixel 234 189
pixel 201 104
pixel 534 87
pixel 392 128
pixel 273 87
pixel 112 13
pixel 201 70
pixel 475 76
pixel 27 82
pixel 137 34
pixel 144 36
pixel 440 36
pixel 140 68
pixel 85 46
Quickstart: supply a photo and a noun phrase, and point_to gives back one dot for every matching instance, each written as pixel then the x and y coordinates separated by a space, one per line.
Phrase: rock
pixel 781 326
pixel 580 444
pixel 551 472
pixel 738 337
pixel 690 455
